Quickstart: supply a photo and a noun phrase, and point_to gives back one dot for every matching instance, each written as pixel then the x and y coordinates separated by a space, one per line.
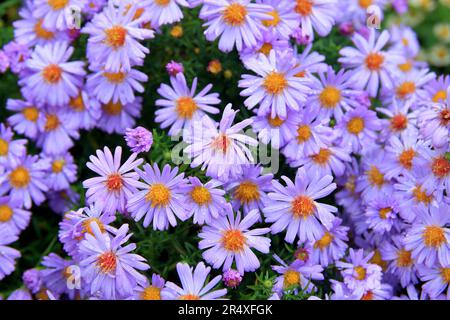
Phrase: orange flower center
pixel 189 297
pixel 114 182
pixel 275 83
pixel 368 296
pixel 221 143
pixel 445 117
pixel 291 278
pixel 115 77
pixel 304 7
pixel 52 73
pixel 445 274
pixel 323 157
pixel 116 36
pixel 4 147
pixel 404 258
pixel 274 21
pixel 52 122
pixel 107 262
pixel 201 195
pixel 6 213
pixel 376 178
pixel 233 240
pixel 364 3
pixel 421 196
pixel 186 107
pixel 399 122
pixel 151 293
pixel 235 14
pixel 378 260
pixel 441 95
pixel 325 241
pixel 162 3
pixel 247 192
pixel 41 32
pixel 434 236
pixel 19 177
pixel 330 97
pixel 374 61
pixel 303 133
pixel 355 125
pixel 159 195
pixel 406 158
pixel 350 184
pixel 384 212
pixel 405 89
pixel 58 165
pixel 265 48
pixel 30 113
pixel 275 122
pixel 440 167
pixel 77 103
pixel 57 4
pixel 360 273
pixel 302 207
pixel 113 109
pixel 87 225
pixel 405 67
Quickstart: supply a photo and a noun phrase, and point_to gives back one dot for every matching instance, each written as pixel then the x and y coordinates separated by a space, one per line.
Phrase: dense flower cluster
pixel 367 141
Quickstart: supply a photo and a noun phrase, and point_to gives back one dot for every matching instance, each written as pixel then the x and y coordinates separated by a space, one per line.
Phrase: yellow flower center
pixel 107 262
pixel 384 212
pixel 274 21
pixel 360 273
pixel 201 195
pixel 151 293
pixel 378 260
pixel 6 213
pixel 291 278
pixel 303 133
pixel 265 48
pixel 445 273
pixel 41 32
pixel 52 73
pixel 330 97
pixel 116 36
pixel 113 109
pixel 364 3
pixel 176 31
pixel 186 107
pixel 52 122
pixel 159 195
pixel 30 113
pixel 405 89
pixel 325 241
pixel 434 236
pixel 58 165
pixel 355 125
pixel 275 122
pixel 162 3
pixel 376 178
pixel 405 67
pixel 399 122
pixel 406 157
pixel 19 177
pixel 421 195
pixel 87 225
pixel 77 103
pixel 350 184
pixel 404 258
pixel 115 77
pixel 247 192
pixel 302 207
pixel 440 167
pixel 441 95
pixel 189 297
pixel 57 4
pixel 114 182
pixel 304 7
pixel 323 157
pixel 233 240
pixel 235 14
pixel 374 61
pixel 4 147
pixel 275 83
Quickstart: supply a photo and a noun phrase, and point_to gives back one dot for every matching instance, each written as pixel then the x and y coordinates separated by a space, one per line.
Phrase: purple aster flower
pixel 109 267
pixel 160 198
pixel 360 275
pixel 4 62
pixel 222 150
pixel 437 280
pixel 110 87
pixel 332 94
pixel 62 201
pixel 237 22
pixel 173 68
pixel 229 239
pixel 12 217
pixel 18 55
pixel 56 131
pixel 181 106
pixel 32 280
pixel 165 12
pixel 117 117
pixel 311 135
pixel 332 246
pixel 382 292
pixel 249 191
pixel 20 295
pixel 400 262
pixel 294 207
pixel 49 71
pixel 371 65
pixel 276 131
pixel 295 276
pixel 193 284
pixel 62 171
pixel 25 181
pixel 139 139
pixel 206 202
pixel 283 19
pixel 25 117
pixel 150 290
pixel 115 183
pixel 232 278
pixel 268 43
pixel 54 13
pixel 8 255
pixel 347 196
pixel 58 273
pixel 10 150
pixel 358 129
pixel 84 111
pixel 437 170
pixel 405 40
pixel 276 88
pixel 316 16
pixel 437 89
pixel 429 237
pixel 382 214
pixel 400 120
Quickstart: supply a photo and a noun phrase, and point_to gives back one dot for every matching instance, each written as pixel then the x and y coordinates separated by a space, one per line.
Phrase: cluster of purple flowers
pixel 386 165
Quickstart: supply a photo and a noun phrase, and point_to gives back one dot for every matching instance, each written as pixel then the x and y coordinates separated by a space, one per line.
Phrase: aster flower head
pixel 206 201
pixel 49 71
pixel 56 273
pixel 115 183
pixel 165 11
pixel 229 239
pixel 284 19
pixel 62 171
pixel 429 237
pixel 173 68
pixel 276 131
pixel 160 198
pixel 62 201
pixel 116 117
pixel 8 255
pixel 25 181
pixel 316 16
pixel 181 105
pixel 437 89
pixel 13 218
pixel 150 290
pixel 222 150
pixel 382 214
pixel 237 22
pixel 32 280
pixel 437 280
pixel 404 39
pixel 294 207
pixel 138 139
pixel 10 149
pixel 54 13
pixel 108 264
pixel 84 111
pixel 25 118
pixel 114 37
pixel 17 54
pixel 275 88
pixel 193 284
pixel 437 171
pixel 400 118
